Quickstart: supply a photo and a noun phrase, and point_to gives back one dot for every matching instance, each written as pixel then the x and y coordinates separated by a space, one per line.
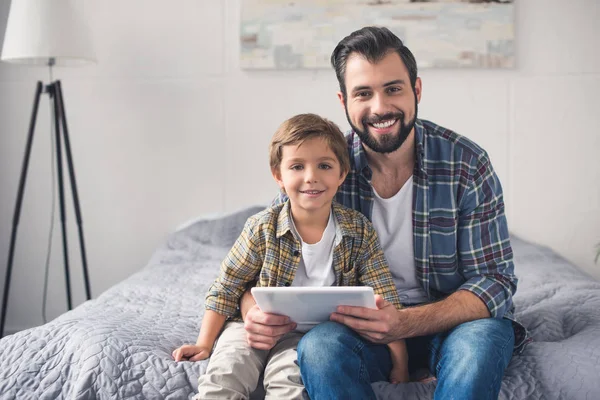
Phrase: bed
pixel 118 346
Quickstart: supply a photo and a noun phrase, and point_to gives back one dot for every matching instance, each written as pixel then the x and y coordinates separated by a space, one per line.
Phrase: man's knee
pixel 319 346
pixel 470 361
pixel 477 346
pixel 483 335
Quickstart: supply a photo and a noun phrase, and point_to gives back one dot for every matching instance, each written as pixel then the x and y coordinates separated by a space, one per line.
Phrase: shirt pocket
pixel 350 276
pixel 443 235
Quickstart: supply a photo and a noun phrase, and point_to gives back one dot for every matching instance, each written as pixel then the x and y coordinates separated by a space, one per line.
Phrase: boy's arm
pixel 399 356
pixel 241 266
pixel 212 323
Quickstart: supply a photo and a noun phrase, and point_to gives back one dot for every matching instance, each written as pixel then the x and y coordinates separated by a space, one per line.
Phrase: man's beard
pixel 389 142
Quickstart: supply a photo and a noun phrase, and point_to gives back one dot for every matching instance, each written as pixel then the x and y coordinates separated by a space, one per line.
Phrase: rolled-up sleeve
pixel 486 257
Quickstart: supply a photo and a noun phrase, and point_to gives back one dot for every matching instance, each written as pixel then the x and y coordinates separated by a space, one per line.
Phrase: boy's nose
pixel 311 176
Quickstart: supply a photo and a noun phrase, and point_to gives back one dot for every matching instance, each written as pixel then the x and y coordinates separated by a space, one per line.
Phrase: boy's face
pixel 310 173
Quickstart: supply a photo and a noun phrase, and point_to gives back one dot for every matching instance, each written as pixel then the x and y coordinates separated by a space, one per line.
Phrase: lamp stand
pixel 60 121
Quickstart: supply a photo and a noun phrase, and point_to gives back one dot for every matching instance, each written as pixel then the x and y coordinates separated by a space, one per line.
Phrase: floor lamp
pixel 47 33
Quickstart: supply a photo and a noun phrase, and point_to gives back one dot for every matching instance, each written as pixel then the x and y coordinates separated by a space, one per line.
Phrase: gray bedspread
pixel 119 345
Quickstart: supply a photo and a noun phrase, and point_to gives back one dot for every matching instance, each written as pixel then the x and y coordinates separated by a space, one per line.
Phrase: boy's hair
pixel 301 127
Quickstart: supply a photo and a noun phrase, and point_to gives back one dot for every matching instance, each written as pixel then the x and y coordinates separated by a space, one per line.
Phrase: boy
pixel 307 241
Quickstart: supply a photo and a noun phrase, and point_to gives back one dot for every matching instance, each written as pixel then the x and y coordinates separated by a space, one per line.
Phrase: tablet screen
pixel 309 306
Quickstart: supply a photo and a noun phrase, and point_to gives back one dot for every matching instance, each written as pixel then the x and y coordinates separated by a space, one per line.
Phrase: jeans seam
pixel 438 358
pixel 496 377
pixel 357 349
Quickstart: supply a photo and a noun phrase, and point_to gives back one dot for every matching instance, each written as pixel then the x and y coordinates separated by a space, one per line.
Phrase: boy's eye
pixel 296 167
pixel 325 166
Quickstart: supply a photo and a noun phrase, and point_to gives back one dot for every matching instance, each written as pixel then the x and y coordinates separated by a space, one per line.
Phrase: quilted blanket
pixel 119 345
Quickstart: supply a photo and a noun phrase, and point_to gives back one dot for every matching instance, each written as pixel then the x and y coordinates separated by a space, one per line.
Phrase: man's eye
pixel 363 94
pixel 393 89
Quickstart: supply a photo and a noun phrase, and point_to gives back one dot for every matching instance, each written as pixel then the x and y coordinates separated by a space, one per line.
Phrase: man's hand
pixel 378 326
pixel 263 330
pixel 190 352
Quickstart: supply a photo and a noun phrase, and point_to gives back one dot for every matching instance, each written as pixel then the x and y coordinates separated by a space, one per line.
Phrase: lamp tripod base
pixel 54 90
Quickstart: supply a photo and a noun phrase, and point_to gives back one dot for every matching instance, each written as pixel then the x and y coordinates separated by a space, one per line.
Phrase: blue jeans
pixel 468 361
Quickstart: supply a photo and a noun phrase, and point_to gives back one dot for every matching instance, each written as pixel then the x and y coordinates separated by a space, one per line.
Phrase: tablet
pixel 309 306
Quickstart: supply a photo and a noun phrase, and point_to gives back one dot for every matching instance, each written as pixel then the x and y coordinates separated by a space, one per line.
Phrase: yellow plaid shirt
pixel 268 253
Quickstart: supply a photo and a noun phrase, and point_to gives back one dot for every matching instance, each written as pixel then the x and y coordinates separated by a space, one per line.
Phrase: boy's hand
pixel 191 352
pixel 399 374
pixel 263 330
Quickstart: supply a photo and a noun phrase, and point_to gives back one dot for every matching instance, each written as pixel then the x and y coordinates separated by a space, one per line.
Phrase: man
pixel 438 209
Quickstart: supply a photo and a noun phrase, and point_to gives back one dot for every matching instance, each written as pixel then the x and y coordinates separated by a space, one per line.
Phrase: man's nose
pixel 379 104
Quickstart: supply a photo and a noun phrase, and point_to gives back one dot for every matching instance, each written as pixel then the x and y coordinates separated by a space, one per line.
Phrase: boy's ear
pixel 343 178
pixel 277 176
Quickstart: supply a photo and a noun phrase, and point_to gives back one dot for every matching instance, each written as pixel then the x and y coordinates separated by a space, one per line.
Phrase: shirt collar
pixel 345 224
pixel 284 224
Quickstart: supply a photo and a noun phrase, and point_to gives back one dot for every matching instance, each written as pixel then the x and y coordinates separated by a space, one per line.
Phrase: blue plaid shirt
pixel 461 239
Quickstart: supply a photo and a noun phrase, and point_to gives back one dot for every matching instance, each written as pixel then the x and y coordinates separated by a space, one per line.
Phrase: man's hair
pixel 302 127
pixel 373 43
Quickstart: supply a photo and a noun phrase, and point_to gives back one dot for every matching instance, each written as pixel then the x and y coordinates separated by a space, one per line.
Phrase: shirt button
pixel 287 284
pixel 296 253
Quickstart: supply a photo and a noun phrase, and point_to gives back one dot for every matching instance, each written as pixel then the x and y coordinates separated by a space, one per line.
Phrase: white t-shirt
pixel 316 262
pixel 392 219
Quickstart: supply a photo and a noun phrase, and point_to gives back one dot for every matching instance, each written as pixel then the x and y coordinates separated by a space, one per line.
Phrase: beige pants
pixel 234 368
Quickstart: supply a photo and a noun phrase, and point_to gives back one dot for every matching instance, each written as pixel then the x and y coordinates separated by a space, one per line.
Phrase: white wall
pixel 167 127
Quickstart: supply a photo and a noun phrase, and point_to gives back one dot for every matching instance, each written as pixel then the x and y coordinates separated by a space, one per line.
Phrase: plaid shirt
pixel 268 253
pixel 461 239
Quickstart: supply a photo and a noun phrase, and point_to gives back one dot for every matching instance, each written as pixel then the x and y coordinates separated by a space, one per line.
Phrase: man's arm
pixel 485 256
pixel 387 324
pixel 486 261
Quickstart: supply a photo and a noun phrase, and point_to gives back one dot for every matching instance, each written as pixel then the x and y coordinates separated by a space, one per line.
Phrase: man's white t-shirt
pixel 392 219
pixel 316 263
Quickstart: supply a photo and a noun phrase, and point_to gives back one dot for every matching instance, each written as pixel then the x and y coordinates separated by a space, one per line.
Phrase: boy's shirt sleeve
pixel 373 269
pixel 241 266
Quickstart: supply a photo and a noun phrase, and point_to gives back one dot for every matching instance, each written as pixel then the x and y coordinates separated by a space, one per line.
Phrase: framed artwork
pixel 296 34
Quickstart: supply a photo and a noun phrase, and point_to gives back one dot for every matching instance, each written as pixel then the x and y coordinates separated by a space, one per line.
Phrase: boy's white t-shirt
pixel 316 261
pixel 392 219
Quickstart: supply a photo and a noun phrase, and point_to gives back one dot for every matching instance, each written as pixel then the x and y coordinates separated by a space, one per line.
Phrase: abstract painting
pixel 295 34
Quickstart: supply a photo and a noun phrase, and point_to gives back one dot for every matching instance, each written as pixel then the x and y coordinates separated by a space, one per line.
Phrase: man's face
pixel 381 106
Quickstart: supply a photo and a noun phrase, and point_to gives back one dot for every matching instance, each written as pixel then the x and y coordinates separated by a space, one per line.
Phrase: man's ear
pixel 341 98
pixel 418 89
pixel 277 176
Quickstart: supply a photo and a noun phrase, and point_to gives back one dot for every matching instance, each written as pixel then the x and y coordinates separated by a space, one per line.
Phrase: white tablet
pixel 309 306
